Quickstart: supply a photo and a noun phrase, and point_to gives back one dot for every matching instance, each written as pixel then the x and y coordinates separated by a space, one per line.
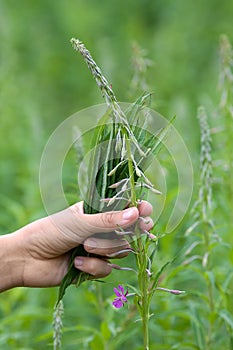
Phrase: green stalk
pixel 143 286
pixel 211 303
pixel 141 259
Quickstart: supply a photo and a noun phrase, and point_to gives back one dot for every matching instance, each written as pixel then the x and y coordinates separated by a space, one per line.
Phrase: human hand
pixel 43 247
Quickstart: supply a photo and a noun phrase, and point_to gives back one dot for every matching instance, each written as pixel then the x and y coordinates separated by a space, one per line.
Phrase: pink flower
pixel 121 297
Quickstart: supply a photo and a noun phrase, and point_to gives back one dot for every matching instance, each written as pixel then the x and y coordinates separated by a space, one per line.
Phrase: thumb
pixel 90 224
pixel 76 227
pixel 109 221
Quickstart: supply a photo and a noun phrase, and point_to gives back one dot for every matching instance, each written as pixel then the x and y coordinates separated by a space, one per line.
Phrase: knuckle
pixel 108 219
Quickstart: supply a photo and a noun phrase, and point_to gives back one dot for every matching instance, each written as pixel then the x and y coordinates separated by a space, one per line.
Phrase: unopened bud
pixel 172 291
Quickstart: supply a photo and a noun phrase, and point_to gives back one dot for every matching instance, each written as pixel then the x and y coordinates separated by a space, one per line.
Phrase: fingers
pixel 109 221
pixel 145 208
pixel 106 247
pixel 94 266
pixel 74 227
pixel 106 222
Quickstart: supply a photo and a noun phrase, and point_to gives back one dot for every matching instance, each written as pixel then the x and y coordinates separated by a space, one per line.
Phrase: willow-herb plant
pixel 205 240
pixel 225 113
pixel 210 320
pixel 121 151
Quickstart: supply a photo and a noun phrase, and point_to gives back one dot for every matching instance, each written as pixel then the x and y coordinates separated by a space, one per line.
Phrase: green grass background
pixel 43 82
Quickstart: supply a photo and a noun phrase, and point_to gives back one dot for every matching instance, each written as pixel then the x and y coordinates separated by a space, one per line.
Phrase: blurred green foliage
pixel 42 82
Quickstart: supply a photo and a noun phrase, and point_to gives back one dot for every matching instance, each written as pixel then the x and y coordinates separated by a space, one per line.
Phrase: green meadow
pixel 181 52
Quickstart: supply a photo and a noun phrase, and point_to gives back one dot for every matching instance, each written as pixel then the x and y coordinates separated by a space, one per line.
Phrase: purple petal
pixel 121 288
pixel 118 294
pixel 124 299
pixel 117 303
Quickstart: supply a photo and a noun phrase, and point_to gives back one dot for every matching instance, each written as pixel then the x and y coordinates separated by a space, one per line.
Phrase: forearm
pixel 12 263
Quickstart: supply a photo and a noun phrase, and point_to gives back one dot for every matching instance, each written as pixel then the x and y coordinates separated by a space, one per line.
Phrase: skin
pixel 37 255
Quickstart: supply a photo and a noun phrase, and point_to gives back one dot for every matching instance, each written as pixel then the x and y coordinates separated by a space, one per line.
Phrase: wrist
pixel 12 261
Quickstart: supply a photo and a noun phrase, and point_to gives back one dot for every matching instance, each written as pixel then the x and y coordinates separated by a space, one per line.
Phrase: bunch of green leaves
pixel 120 153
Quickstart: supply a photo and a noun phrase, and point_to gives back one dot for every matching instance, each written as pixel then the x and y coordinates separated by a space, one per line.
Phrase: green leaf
pixel 73 274
pixel 156 141
pixel 97 343
pixel 134 289
pixel 105 331
pixel 157 276
pixel 227 317
pixel 198 328
pixel 155 248
pixel 227 280
pixel 138 105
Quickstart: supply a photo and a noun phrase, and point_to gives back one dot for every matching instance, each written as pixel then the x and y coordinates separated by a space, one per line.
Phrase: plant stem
pixel 211 305
pixel 143 278
pixel 143 285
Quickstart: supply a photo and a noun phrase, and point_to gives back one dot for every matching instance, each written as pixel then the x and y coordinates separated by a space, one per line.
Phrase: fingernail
pixel 78 261
pixel 91 244
pixel 127 215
